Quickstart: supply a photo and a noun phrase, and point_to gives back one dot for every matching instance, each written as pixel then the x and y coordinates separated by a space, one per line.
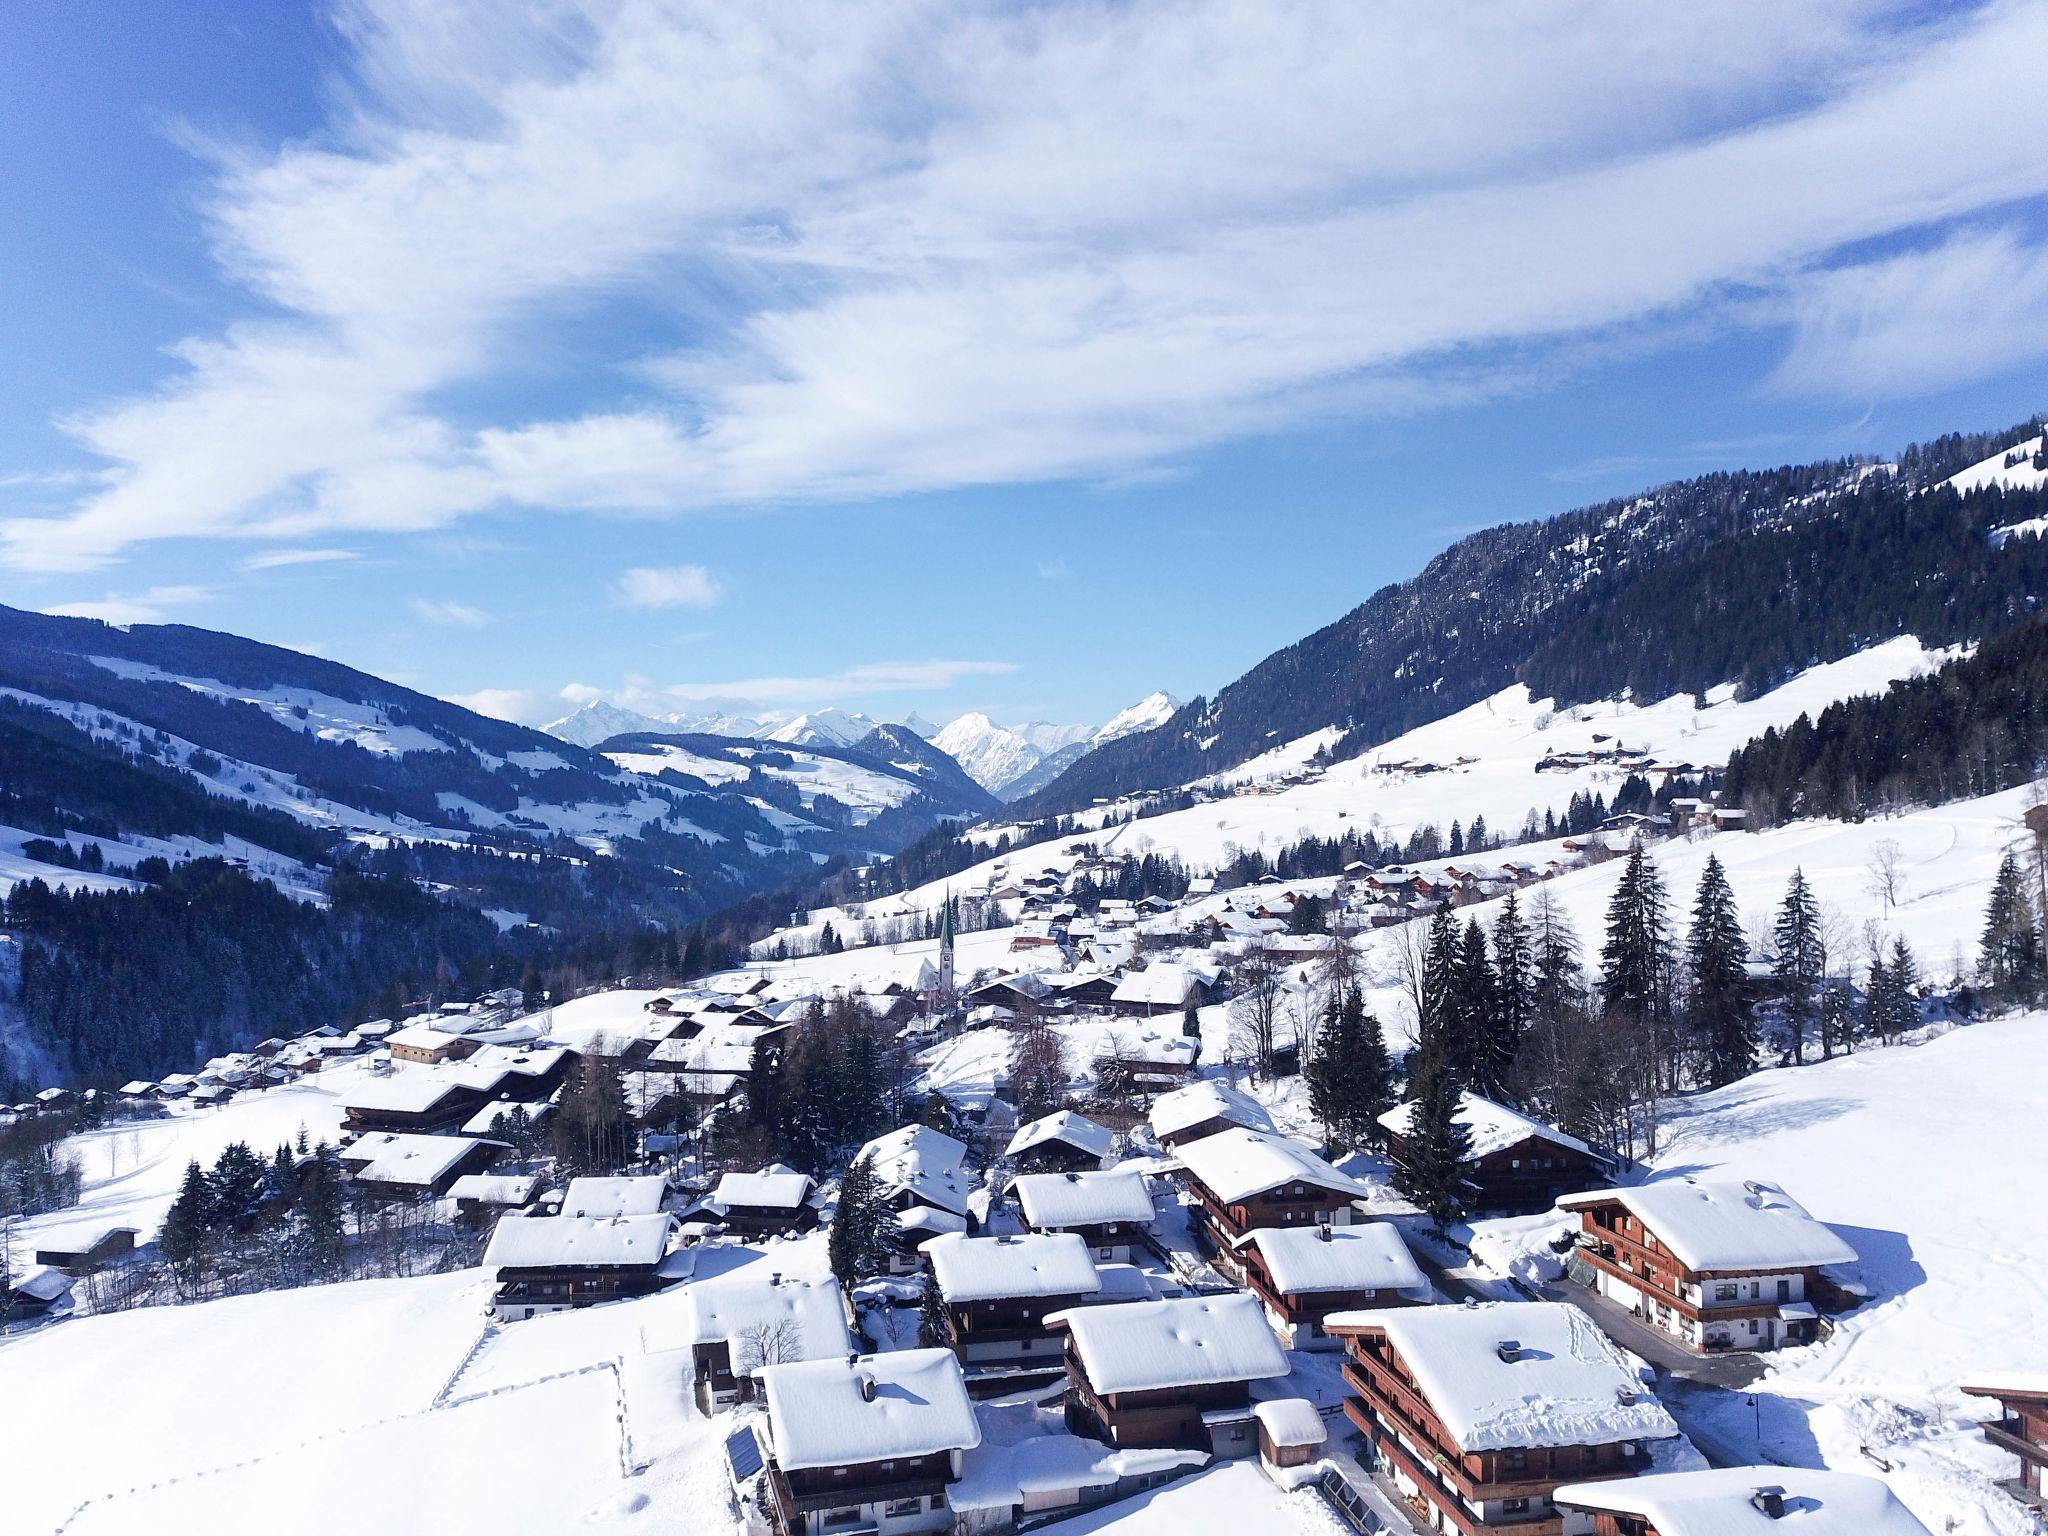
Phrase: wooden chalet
pixel 424 1045
pixel 1059 1143
pixel 82 1251
pixel 1716 1266
pixel 741 1322
pixel 867 1442
pixel 403 1165
pixel 997 1292
pixel 1442 1397
pixel 2022 1429
pixel 1243 1180
pixel 1203 1109
pixel 1740 1501
pixel 1291 1431
pixel 556 1263
pixel 1303 1274
pixel 1514 1164
pixel 1169 1373
pixel 774 1201
pixel 1109 1211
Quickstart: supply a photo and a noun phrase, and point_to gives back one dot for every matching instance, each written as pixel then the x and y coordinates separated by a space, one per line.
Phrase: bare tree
pixel 1255 1012
pixel 780 1342
pixel 1887 872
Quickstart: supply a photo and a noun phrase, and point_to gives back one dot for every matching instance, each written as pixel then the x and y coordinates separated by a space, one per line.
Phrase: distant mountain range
pixel 1013 760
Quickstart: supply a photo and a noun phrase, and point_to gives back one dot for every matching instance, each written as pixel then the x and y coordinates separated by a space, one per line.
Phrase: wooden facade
pixel 1296 1203
pixel 1487 1493
pixel 1179 1417
pixel 905 1494
pixel 1299 1315
pixel 1007 1335
pixel 2023 1430
pixel 1706 1310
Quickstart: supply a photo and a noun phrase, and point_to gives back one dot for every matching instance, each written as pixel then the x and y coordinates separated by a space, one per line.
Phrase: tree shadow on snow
pixel 1885 1259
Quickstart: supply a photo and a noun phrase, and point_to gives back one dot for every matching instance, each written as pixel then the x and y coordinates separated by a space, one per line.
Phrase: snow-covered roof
pixel 1161 984
pixel 1722 1227
pixel 564 1242
pixel 1175 1112
pixel 632 1195
pixel 925 1162
pixel 385 1158
pixel 495 1188
pixel 806 1314
pixel 1291 1421
pixel 1723 1501
pixel 407 1093
pixel 485 1121
pixel 1146 1346
pixel 44 1285
pixel 1492 1127
pixel 1001 1476
pixel 423 1037
pixel 1236 1164
pixel 1081 1199
pixel 1563 1384
pixel 995 1268
pixel 1368 1257
pixel 777 1188
pixel 1062 1125
pixel 839 1412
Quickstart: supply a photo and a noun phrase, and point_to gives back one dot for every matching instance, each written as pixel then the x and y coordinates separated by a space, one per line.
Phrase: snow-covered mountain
pixel 823 727
pixel 1001 758
pixel 600 720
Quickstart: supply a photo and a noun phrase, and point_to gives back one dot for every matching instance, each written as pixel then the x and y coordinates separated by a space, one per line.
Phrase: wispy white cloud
pixel 278 559
pixel 669 586
pixel 1971 307
pixel 522 706
pixel 929 245
pixel 447 614
pixel 150 607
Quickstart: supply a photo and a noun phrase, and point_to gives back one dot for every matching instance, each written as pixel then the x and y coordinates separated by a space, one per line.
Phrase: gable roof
pixel 1566 1384
pixel 1719 1502
pixel 808 1313
pixel 1174 1112
pixel 630 1195
pixel 1146 1346
pixel 1751 1225
pixel 1492 1127
pixel 1037 1264
pixel 839 1412
pixel 577 1242
pixel 1237 1163
pixel 924 1163
pixel 1062 1125
pixel 1369 1257
pixel 1082 1199
pixel 775 1188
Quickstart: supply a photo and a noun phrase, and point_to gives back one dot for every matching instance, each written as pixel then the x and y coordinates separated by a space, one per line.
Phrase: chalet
pixel 491 1119
pixel 84 1250
pixel 1514 1163
pixel 1303 1274
pixel 406 1166
pixel 776 1200
pixel 1169 1373
pixel 1162 987
pixel 40 1295
pixel 2023 1428
pixel 1024 992
pixel 1740 1501
pixel 640 1194
pixel 918 1166
pixel 1443 1395
pixel 1243 1180
pixel 1059 1143
pixel 1092 990
pixel 1018 1484
pixel 1110 1212
pixel 492 1194
pixel 427 1046
pixel 1717 1266
pixel 740 1323
pixel 867 1442
pixel 1203 1109
pixel 996 1293
pixel 910 1230
pixel 555 1263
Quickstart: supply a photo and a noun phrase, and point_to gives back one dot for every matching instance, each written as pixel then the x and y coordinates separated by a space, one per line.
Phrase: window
pixel 1784 1290
pixel 1514 1461
pixel 1514 1506
pixel 897 1508
pixel 1726 1291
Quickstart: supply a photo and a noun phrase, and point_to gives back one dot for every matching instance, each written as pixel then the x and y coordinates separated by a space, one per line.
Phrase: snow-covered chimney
pixel 1510 1350
pixel 867 1388
pixel 1769 1502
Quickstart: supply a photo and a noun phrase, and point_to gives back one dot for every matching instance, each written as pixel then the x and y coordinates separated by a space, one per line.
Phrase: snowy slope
pixel 1155 709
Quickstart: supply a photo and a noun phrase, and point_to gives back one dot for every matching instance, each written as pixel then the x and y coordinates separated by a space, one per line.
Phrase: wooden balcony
pixel 2009 1434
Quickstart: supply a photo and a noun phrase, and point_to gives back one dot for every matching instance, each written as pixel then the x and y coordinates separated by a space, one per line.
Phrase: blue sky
pixel 938 357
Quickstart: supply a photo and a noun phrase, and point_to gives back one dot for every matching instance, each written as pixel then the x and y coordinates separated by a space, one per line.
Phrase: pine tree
pixel 1723 1024
pixel 2012 963
pixel 1798 962
pixel 1636 969
pixel 186 1238
pixel 1437 1010
pixel 933 1331
pixel 1901 1009
pixel 1514 996
pixel 1428 1168
pixel 1476 1011
pixel 321 1207
pixel 1350 1079
pixel 854 1246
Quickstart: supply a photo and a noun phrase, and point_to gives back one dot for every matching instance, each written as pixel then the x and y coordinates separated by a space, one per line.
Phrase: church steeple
pixel 946 944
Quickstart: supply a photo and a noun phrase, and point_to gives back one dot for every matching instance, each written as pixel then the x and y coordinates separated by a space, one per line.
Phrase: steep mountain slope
pixel 601 719
pixel 1746 575
pixel 1015 760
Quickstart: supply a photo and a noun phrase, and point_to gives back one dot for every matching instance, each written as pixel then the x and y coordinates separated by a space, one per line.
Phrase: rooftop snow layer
pixel 631 1195
pixel 1721 1502
pixel 1492 1127
pixel 1082 1199
pixel 838 1412
pixel 1146 1346
pixel 1063 1126
pixel 991 1268
pixel 1003 1476
pixel 924 1162
pixel 1175 1112
pixel 1564 1385
pixel 1713 1228
pixel 1291 1421
pixel 553 1242
pixel 806 1316
pixel 769 1189
pixel 1370 1257
pixel 1237 1164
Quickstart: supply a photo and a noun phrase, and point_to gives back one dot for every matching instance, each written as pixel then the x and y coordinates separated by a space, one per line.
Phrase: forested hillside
pixel 1570 606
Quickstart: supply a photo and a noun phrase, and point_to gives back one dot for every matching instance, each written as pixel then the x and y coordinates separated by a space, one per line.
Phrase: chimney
pixel 1510 1350
pixel 1769 1502
pixel 1323 1232
pixel 867 1388
pixel 776 1278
